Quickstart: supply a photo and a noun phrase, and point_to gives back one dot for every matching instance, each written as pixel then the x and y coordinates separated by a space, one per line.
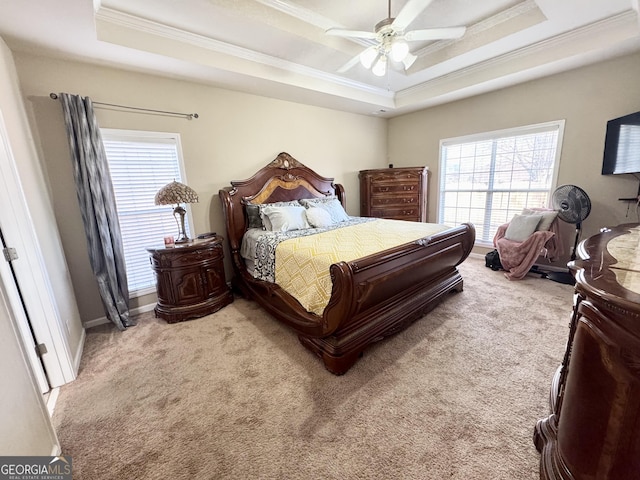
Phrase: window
pixel 485 179
pixel 140 164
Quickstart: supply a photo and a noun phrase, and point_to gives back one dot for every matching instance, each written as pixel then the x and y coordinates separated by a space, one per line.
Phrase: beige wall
pixel 586 98
pixel 235 135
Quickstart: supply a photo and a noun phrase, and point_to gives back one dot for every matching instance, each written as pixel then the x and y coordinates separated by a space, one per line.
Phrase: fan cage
pixel 572 203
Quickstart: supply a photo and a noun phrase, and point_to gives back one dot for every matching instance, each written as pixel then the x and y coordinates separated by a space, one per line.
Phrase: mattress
pixel 299 261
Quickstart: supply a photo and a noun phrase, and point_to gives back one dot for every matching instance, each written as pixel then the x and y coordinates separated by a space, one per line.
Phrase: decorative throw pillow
pixel 521 227
pixel 284 219
pixel 318 217
pixel 548 216
pixel 307 202
pixel 253 216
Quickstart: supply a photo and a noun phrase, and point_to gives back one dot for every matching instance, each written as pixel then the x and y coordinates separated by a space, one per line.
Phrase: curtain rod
pixel 54 96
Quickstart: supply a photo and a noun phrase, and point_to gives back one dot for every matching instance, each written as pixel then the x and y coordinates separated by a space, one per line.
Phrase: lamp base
pixel 179 214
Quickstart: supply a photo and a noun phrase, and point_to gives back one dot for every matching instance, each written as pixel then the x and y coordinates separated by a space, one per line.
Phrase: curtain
pixel 98 207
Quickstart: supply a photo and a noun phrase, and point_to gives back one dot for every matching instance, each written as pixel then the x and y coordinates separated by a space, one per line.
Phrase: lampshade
pixel 175 193
pixel 369 56
pixel 380 67
pixel 399 50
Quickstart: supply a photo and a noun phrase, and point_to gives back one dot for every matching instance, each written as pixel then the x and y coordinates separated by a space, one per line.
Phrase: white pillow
pixel 318 217
pixel 334 208
pixel 521 227
pixel 548 216
pixel 283 219
pixel 254 212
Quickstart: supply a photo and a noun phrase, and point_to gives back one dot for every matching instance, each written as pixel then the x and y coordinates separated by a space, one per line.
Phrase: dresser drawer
pixel 399 213
pixel 395 201
pixel 389 188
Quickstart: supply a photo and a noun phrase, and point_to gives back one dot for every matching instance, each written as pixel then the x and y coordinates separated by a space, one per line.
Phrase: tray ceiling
pixel 279 48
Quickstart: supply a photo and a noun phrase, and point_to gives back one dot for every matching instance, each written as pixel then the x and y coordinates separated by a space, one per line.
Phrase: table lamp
pixel 175 193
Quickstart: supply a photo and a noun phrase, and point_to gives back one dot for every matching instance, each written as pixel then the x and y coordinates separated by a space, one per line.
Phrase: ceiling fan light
pixel 408 60
pixel 380 67
pixel 399 50
pixel 368 57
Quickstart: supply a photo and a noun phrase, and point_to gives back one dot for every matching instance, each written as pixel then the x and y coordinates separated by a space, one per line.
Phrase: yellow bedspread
pixel 302 264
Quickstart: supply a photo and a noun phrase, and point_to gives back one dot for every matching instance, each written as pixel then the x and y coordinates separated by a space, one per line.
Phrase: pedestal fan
pixel 573 206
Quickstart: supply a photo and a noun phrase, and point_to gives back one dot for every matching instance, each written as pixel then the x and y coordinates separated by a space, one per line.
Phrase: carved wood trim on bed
pixel 372 297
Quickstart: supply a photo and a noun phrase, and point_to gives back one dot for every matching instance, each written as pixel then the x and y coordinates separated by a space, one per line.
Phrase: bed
pixel 370 297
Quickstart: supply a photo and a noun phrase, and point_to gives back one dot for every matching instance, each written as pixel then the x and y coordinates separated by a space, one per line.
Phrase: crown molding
pixel 138 24
pixel 624 24
pixel 303 14
pixel 522 8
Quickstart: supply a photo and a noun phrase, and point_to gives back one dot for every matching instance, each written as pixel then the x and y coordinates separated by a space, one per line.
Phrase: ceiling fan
pixel 391 38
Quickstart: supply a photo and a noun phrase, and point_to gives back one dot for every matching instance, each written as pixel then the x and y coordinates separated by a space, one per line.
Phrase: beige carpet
pixel 235 395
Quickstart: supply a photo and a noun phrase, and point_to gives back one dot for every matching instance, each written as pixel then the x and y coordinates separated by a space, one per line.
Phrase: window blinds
pixel 485 179
pixel 140 164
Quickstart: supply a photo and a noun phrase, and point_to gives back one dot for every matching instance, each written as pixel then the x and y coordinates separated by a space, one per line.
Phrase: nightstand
pixel 190 279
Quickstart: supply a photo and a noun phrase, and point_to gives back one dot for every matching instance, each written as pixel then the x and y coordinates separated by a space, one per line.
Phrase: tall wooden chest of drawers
pixel 397 193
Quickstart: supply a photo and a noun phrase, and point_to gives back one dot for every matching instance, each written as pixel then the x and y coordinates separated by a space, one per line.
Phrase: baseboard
pixel 52 398
pixel 134 311
pixel 78 357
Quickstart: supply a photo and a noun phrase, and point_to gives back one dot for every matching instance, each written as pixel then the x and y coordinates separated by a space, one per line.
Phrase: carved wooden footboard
pixel 372 297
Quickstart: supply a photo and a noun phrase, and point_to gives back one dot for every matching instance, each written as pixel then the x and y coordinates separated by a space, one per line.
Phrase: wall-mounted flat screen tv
pixel 622 145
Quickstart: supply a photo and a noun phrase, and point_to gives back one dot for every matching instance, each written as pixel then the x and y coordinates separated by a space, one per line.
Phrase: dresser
pixel 190 279
pixel 397 193
pixel 593 431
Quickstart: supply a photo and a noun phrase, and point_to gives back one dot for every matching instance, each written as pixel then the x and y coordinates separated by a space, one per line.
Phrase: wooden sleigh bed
pixel 372 297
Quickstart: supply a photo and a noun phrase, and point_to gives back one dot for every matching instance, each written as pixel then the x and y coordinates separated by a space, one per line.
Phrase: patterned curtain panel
pixel 98 207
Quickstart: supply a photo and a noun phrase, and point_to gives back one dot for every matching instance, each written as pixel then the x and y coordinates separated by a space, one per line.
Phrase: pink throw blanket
pixel 517 258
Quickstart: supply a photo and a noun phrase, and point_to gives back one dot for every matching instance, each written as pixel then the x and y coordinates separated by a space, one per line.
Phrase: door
pixel 9 280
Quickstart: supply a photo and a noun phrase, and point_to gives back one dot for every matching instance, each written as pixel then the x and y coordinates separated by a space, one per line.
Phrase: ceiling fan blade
pixel 341 32
pixel 435 33
pixel 409 12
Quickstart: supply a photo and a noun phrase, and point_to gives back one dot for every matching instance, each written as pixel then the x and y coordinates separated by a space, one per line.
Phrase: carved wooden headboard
pixel 283 179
